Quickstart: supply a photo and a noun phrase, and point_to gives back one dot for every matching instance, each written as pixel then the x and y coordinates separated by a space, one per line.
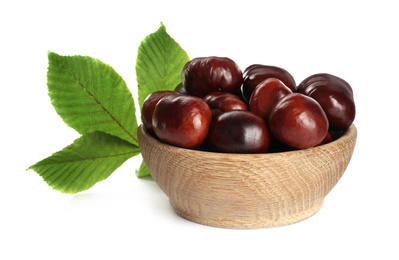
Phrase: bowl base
pixel 254 223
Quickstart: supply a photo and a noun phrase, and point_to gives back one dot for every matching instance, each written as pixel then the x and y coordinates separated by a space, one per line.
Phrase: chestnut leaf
pixel 160 61
pixel 89 95
pixel 143 171
pixel 93 99
pixel 88 160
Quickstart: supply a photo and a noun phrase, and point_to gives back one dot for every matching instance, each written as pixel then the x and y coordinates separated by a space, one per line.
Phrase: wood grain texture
pixel 247 190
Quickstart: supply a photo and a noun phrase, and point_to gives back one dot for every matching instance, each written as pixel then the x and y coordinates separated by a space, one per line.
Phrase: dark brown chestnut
pixel 298 121
pixel 203 75
pixel 149 105
pixel 238 131
pixel 182 120
pixel 266 95
pixel 335 96
pixel 256 73
pixel 220 102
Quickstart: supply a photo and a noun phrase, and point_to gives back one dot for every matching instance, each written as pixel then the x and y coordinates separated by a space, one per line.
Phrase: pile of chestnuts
pixel 218 107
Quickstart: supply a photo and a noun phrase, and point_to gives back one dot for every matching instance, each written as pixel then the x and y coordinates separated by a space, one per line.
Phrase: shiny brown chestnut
pixel 298 121
pixel 238 131
pixel 335 96
pixel 256 73
pixel 266 95
pixel 149 105
pixel 182 120
pixel 203 75
pixel 220 102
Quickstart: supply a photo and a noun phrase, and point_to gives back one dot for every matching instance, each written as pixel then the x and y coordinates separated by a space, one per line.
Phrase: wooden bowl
pixel 246 191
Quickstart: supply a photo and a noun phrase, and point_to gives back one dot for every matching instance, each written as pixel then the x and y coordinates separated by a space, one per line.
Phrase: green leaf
pixel 88 160
pixel 91 96
pixel 160 61
pixel 143 171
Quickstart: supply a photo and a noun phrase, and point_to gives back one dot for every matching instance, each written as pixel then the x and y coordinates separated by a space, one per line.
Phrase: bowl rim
pixel 350 133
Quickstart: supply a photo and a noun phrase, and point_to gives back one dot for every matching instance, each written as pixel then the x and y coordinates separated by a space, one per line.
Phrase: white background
pixel 125 217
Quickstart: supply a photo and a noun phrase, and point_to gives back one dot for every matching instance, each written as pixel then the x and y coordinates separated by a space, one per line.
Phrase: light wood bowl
pixel 246 191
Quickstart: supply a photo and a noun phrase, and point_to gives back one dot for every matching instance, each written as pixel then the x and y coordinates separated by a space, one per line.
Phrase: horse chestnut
pixel 266 95
pixel 256 73
pixel 182 120
pixel 298 121
pixel 334 95
pixel 149 105
pixel 238 131
pixel 221 102
pixel 204 75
